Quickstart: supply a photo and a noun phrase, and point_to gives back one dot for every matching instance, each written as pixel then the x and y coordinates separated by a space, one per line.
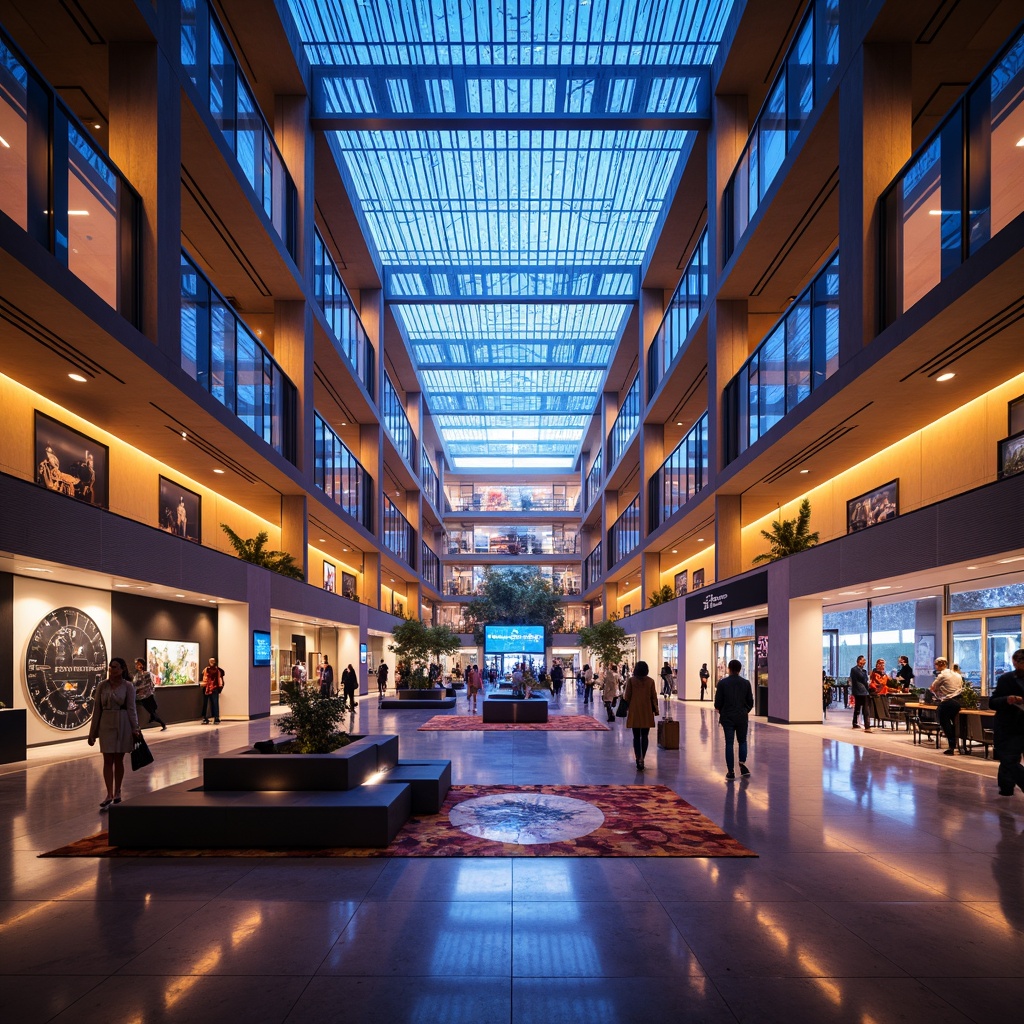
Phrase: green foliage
pixel 662 596
pixel 253 549
pixel 443 641
pixel 414 644
pixel 312 719
pixel 606 641
pixel 515 597
pixel 788 536
pixel 969 695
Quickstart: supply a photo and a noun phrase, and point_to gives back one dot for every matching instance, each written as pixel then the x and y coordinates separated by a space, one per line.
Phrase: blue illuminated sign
pixel 513 639
pixel 260 647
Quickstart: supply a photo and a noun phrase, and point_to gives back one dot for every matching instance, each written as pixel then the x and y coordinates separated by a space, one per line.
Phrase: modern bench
pixel 390 704
pixel 187 816
pixel 515 710
pixel 428 780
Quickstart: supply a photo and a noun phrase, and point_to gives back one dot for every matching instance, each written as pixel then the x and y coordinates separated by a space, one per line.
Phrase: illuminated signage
pixel 513 639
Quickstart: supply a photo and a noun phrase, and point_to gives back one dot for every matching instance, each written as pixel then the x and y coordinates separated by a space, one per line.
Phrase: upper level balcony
pixel 509 539
pixel 626 423
pixel 960 189
pixel 396 420
pixel 624 533
pixel 340 475
pixel 499 497
pixel 398 534
pixel 58 186
pixel 682 476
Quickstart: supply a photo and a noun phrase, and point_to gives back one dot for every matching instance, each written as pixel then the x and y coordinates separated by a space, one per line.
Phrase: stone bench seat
pixel 390 704
pixel 430 782
pixel 186 816
pixel 515 710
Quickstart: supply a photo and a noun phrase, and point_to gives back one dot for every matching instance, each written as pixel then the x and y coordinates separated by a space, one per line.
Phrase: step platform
pixel 515 710
pixel 429 780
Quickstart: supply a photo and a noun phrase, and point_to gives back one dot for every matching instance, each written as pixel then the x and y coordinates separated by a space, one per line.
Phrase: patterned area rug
pixel 473 723
pixel 639 821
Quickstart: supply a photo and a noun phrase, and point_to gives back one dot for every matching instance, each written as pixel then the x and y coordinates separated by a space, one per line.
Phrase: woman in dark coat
pixel 642 694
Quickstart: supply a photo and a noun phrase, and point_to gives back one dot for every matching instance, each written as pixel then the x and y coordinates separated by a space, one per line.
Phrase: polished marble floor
pixel 887 889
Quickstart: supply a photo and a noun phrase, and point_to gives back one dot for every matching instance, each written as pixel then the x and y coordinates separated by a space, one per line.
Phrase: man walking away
pixel 734 700
pixel 349 685
pixel 1007 701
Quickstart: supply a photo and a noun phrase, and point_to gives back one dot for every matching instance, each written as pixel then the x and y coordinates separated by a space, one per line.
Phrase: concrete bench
pixel 186 816
pixel 390 704
pixel 429 780
pixel 515 710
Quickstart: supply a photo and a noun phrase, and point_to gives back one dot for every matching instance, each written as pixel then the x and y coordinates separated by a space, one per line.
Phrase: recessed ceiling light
pixel 179 595
pixel 4 143
pixel 1004 561
pixel 802 471
pixel 220 471
pixel 679 423
pixel 344 424
pixel 78 213
pixel 97 126
pixel 700 540
pixel 184 435
pixel 392 581
pixel 122 586
pixel 344 549
pixel 972 567
pixel 77 377
pixel 945 376
pixel 1020 142
pixel 33 568
pixel 675 551
pixel 881 588
pixel 322 540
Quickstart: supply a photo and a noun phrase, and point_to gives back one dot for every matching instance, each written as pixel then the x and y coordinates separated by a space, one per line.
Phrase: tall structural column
pixel 293 350
pixel 295 529
pixel 247 689
pixel 145 143
pixel 728 348
pixel 728 536
pixel 875 118
pixel 292 134
pixel 794 631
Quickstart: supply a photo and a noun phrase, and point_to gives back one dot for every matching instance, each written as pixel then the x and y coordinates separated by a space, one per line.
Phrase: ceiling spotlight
pixel 4 143
pixel 184 435
pixel 679 423
pixel 179 595
pixel 97 126
pixel 77 377
pixel 219 472
pixel 700 540
pixel 344 549
pixel 674 551
pixel 948 375
pixel 122 586
pixel 344 424
pixel 803 471
pixel 322 540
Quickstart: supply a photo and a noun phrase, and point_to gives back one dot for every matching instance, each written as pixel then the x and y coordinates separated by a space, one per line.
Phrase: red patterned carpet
pixel 639 821
pixel 473 723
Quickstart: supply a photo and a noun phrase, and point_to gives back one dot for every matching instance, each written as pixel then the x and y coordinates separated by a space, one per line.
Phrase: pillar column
pixel 246 691
pixel 292 348
pixel 145 143
pixel 295 529
pixel 728 536
pixel 794 640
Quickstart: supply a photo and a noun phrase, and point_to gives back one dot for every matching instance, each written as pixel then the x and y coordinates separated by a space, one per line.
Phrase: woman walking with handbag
pixel 116 725
pixel 642 698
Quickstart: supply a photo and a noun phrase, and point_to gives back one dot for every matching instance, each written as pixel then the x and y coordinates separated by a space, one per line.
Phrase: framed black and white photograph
pixel 698 579
pixel 348 585
pixel 69 462
pixel 180 511
pixel 874 507
pixel 627 609
pixel 330 577
pixel 680 583
pixel 1011 455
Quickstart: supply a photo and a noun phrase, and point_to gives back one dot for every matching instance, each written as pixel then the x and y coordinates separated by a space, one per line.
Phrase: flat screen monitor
pixel 260 647
pixel 513 639
pixel 362 654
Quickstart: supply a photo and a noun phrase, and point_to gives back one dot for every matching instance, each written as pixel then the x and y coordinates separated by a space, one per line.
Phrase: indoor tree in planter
pixel 605 640
pixel 662 595
pixel 253 550
pixel 788 536
pixel 313 720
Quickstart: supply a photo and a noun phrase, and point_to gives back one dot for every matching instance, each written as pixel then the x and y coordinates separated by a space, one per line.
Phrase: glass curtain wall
pixel 594 481
pixel 396 420
pixel 626 422
pixel 340 475
pixel 399 536
pixel 624 535
pixel 681 476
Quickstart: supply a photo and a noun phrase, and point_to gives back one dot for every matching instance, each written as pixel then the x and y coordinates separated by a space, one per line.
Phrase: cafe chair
pixel 975 733
pixel 925 723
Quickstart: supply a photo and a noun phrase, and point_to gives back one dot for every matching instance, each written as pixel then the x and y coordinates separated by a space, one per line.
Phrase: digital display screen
pixel 513 639
pixel 362 654
pixel 260 647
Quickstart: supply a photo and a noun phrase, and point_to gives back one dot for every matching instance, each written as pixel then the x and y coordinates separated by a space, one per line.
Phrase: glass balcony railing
pixel 467 580
pixel 399 536
pixel 800 352
pixel 961 188
pixel 626 422
pixel 624 534
pixel 208 59
pixel 340 475
pixel 430 566
pixel 594 481
pixel 593 567
pixel 431 485
pixel 340 312
pixel 809 64
pixel 681 476
pixel 396 420
pixel 62 189
pixel 226 358
pixel 513 539
pixel 512 498
pixel 684 308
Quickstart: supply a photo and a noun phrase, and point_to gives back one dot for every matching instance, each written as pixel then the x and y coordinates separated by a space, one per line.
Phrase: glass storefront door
pixel 1002 638
pixel 983 647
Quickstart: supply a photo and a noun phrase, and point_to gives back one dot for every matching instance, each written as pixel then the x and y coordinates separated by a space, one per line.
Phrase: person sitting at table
pixel 878 682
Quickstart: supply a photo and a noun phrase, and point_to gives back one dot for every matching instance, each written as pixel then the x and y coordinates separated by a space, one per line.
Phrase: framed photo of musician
pixel 70 463
pixel 180 511
pixel 874 507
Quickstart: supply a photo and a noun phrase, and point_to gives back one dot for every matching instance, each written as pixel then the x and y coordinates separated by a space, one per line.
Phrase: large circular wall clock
pixel 66 660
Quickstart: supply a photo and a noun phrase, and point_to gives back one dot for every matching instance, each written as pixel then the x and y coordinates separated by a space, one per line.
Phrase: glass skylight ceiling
pixel 510 159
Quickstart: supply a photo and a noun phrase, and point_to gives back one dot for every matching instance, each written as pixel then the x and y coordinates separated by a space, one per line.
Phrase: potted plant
pixel 313 720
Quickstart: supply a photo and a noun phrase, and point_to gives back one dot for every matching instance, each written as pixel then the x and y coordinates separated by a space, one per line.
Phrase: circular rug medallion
pixel 526 819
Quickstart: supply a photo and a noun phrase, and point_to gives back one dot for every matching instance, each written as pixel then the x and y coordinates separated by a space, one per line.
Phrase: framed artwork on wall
pixel 330 577
pixel 348 585
pixel 680 583
pixel 627 609
pixel 874 507
pixel 180 511
pixel 173 662
pixel 698 579
pixel 1011 455
pixel 71 463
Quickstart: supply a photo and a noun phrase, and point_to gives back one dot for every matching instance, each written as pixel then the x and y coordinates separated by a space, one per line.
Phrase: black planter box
pixel 13 745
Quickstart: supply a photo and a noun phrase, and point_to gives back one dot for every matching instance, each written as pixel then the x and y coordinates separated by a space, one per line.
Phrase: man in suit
pixel 1007 701
pixel 734 700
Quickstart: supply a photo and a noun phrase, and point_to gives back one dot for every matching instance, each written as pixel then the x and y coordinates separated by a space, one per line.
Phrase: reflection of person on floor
pixel 1007 701
pixel 1008 869
pixel 734 700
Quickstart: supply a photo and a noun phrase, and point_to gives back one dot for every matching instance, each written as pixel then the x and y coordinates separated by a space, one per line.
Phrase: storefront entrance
pixel 983 646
